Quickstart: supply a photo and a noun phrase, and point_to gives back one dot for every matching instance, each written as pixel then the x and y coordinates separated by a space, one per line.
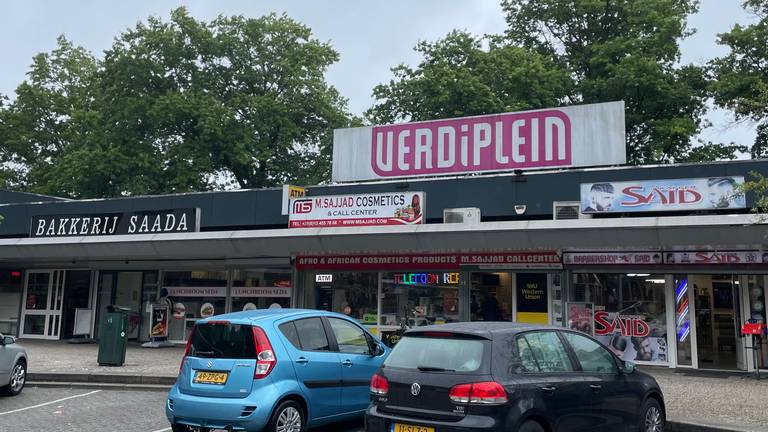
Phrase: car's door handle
pixel 347 362
pixel 549 389
pixel 595 387
pixel 302 360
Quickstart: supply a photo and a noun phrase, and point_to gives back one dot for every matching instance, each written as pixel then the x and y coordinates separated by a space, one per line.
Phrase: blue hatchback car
pixel 274 370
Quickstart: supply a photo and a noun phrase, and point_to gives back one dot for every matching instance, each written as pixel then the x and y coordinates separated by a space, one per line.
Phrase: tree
pixel 740 78
pixel 49 133
pixel 175 106
pixel 626 50
pixel 457 77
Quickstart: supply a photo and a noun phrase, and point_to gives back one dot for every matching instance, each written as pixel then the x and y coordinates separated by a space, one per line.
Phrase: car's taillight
pixel 379 385
pixel 186 351
pixel 265 357
pixel 482 393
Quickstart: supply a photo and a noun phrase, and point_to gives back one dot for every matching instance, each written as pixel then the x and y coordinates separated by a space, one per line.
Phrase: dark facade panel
pixel 496 196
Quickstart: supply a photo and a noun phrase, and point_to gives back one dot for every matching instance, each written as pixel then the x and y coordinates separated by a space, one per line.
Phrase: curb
pixel 689 426
pixel 99 386
pixel 50 377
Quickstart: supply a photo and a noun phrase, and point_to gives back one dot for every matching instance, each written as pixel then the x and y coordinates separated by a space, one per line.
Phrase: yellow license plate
pixel 211 378
pixel 399 427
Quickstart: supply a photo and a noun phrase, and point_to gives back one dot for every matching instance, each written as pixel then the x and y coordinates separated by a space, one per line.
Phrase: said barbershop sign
pixel 144 222
pixel 584 135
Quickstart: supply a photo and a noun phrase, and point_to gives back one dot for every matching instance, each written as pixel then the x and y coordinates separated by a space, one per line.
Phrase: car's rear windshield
pixel 438 354
pixel 231 341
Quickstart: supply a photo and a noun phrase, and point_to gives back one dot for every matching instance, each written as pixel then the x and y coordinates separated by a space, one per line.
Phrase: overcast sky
pixel 371 36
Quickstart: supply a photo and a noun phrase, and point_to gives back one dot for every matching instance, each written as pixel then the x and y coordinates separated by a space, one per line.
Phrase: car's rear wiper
pixel 205 353
pixel 434 369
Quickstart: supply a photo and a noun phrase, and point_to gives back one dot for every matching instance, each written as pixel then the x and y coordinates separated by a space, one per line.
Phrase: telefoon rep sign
pixel 584 135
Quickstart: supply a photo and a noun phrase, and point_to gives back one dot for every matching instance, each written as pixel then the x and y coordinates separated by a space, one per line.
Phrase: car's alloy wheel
pixel 653 420
pixel 18 377
pixel 289 420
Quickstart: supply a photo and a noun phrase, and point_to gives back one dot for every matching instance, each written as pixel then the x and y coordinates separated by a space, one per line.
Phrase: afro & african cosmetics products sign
pixel 574 136
pixel 394 208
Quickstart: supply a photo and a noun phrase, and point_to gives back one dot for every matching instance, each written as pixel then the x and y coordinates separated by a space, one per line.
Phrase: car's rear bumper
pixel 377 421
pixel 218 413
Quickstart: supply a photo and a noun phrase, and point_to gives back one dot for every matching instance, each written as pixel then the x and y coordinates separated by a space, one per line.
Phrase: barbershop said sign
pixel 107 224
pixel 576 136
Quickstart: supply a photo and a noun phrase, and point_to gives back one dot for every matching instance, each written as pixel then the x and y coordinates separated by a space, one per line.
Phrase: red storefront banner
pixel 612 258
pixel 430 261
pixel 716 257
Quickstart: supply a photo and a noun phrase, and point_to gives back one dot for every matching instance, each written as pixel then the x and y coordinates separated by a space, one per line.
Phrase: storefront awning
pixel 713 231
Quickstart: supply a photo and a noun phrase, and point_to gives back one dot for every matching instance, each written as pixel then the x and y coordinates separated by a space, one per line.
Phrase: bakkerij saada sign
pixel 395 208
pixel 575 136
pixel 143 222
pixel 663 195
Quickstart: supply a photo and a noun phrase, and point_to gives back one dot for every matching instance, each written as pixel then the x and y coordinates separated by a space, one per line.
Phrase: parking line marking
pixel 162 430
pixel 48 403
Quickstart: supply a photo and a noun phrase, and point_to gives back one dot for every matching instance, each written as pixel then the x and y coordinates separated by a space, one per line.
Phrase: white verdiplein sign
pixel 393 208
pixel 574 136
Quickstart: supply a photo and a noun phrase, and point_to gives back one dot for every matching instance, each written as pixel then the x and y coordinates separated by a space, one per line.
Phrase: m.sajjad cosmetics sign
pixel 575 136
pixel 106 224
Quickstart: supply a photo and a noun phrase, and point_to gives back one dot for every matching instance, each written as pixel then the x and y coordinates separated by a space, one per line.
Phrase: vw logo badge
pixel 415 389
pixel 210 364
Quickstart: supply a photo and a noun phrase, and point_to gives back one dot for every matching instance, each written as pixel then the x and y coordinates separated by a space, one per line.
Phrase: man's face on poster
pixel 644 351
pixel 721 194
pixel 602 201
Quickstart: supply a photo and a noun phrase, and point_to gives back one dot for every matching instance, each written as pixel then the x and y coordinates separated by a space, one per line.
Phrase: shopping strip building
pixel 661 263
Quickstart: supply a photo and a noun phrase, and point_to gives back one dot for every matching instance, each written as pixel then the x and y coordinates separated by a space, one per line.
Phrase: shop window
pixel 261 289
pixel 628 313
pixel 757 306
pixel 491 298
pixel 350 293
pixel 421 298
pixel 194 295
pixel 10 301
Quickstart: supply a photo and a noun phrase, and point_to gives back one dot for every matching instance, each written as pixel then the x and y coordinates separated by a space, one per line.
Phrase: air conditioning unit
pixel 564 210
pixel 466 215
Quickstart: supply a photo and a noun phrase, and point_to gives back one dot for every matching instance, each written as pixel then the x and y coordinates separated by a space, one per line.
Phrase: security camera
pixel 520 209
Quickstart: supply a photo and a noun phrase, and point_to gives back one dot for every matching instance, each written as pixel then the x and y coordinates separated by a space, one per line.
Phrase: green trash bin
pixel 113 337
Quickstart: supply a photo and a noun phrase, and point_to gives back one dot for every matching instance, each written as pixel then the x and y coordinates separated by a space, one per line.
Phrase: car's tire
pixel 289 413
pixel 652 417
pixel 18 379
pixel 530 426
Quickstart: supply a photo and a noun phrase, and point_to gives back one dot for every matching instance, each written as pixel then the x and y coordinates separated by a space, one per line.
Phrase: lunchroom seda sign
pixel 106 224
pixel 574 136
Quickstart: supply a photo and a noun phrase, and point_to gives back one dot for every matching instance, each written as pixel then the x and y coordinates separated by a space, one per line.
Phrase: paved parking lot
pixel 82 410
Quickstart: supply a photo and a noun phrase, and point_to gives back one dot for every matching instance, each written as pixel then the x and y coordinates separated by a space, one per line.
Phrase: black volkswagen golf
pixel 494 376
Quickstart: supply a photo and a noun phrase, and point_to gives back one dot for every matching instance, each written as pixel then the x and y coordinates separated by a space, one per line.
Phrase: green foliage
pixel 458 77
pixel 625 50
pixel 558 52
pixel 740 79
pixel 175 106
pixel 757 184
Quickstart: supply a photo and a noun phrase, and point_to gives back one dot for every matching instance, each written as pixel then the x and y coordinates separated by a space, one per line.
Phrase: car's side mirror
pixel 9 340
pixel 628 367
pixel 376 349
